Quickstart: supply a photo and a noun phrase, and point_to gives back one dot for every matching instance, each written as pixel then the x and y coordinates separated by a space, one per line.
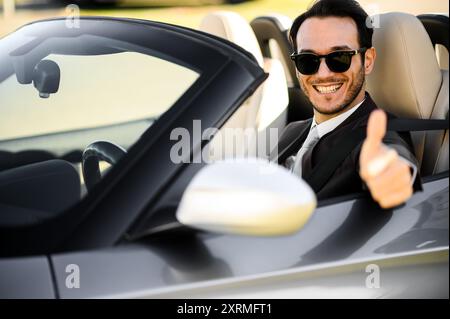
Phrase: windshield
pixel 62 90
pixel 100 82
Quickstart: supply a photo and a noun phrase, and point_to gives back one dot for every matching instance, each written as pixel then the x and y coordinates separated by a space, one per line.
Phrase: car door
pixel 333 256
pixel 346 240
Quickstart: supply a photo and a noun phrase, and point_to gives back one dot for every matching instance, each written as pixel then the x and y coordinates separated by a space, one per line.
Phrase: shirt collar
pixel 329 125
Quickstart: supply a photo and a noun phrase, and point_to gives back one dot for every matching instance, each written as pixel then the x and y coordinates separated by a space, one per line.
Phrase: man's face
pixel 322 36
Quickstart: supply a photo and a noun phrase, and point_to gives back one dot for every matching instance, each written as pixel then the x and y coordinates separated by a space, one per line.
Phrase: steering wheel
pixel 93 154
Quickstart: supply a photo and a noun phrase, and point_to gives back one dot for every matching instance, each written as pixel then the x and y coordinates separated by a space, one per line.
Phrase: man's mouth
pixel 327 89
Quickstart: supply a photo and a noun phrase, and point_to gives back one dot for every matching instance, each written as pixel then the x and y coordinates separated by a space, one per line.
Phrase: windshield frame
pixel 228 76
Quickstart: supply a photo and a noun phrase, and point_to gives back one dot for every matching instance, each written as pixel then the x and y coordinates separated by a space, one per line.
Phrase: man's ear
pixel 369 60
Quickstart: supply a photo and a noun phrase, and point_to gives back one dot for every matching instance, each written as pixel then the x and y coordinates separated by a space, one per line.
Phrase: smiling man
pixel 333 55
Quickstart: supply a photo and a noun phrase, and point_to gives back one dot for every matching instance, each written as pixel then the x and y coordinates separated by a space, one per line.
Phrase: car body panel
pixel 27 277
pixel 352 233
pixel 400 277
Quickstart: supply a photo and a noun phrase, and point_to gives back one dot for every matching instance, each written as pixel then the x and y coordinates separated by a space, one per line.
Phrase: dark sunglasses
pixel 308 63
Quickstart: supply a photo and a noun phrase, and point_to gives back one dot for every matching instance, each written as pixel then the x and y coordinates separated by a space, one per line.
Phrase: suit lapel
pixel 294 137
pixel 295 141
pixel 326 143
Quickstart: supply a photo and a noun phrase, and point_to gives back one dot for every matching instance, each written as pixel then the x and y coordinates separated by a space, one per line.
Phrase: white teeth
pixel 327 89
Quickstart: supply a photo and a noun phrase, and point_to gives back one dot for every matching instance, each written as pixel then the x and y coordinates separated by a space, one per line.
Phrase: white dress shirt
pixel 329 125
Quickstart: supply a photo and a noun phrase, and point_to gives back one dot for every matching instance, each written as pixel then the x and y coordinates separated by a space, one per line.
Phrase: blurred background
pixel 14 13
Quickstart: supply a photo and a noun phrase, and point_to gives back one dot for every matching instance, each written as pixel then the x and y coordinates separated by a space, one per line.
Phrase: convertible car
pixel 93 204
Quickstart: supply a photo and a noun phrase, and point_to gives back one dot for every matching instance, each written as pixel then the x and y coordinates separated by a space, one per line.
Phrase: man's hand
pixel 384 172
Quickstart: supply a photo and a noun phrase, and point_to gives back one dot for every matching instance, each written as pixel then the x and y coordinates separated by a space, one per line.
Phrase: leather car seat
pixel 266 108
pixel 408 82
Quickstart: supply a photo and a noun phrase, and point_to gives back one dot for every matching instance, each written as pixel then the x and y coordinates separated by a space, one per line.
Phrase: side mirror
pixel 246 198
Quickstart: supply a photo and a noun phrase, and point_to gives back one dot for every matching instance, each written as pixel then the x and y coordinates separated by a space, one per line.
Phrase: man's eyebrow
pixel 306 51
pixel 334 48
pixel 341 47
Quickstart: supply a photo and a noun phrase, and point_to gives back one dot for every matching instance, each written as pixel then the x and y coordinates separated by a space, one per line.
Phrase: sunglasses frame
pixel 351 53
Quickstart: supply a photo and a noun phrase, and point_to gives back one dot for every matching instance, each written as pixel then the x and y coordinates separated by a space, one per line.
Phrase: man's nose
pixel 323 71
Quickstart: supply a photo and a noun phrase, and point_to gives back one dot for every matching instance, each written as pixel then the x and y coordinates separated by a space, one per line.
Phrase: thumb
pixel 376 129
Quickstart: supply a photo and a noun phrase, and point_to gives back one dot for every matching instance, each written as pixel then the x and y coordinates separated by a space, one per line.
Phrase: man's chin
pixel 329 108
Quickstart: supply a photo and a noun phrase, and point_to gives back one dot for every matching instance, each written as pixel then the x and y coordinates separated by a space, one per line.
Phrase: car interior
pixel 34 155
pixel 410 80
pixel 414 86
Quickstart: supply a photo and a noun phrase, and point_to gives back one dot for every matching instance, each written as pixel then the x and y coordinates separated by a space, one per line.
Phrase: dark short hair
pixel 336 8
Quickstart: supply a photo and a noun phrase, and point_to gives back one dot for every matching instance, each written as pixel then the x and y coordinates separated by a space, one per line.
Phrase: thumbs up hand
pixel 386 175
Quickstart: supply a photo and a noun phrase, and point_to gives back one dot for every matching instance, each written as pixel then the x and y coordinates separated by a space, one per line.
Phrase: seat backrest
pixel 272 33
pixel 268 104
pixel 408 82
pixel 437 28
pixel 435 159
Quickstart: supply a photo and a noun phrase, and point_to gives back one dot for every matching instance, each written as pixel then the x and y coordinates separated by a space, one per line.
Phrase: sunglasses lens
pixel 307 64
pixel 339 61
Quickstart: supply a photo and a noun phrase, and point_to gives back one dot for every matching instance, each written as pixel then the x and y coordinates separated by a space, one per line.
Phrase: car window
pixel 61 92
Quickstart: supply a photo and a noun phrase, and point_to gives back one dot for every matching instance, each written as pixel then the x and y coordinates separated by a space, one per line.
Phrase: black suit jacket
pixel 345 179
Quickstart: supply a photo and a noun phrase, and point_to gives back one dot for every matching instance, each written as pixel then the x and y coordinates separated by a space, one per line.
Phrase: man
pixel 333 54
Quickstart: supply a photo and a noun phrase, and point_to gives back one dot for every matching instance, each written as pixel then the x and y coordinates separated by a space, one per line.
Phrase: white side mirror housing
pixel 246 197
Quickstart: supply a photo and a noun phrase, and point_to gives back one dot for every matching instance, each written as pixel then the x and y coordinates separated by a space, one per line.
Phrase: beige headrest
pixel 406 78
pixel 234 28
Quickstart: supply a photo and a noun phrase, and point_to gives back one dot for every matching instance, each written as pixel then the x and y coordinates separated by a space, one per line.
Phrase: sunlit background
pixel 15 13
